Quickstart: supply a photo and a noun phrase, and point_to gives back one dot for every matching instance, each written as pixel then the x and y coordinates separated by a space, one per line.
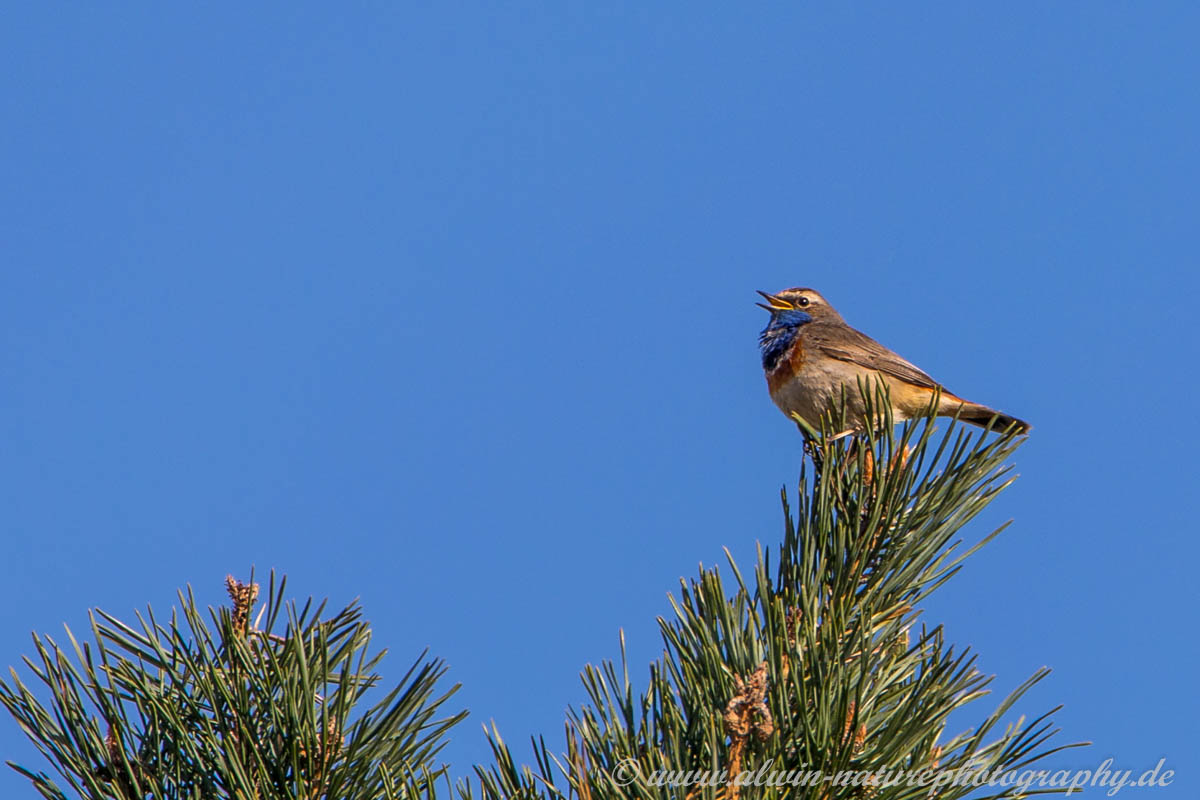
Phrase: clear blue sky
pixel 452 309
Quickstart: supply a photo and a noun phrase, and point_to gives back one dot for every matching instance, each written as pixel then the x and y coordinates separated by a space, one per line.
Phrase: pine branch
pixel 217 707
pixel 816 664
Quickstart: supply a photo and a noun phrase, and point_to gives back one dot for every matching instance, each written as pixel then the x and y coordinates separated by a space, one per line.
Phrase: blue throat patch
pixel 779 334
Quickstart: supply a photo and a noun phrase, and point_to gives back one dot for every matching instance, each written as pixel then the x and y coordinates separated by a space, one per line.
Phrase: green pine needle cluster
pixel 226 706
pixel 817 664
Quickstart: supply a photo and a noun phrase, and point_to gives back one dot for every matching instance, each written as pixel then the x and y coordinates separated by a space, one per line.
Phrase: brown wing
pixel 846 344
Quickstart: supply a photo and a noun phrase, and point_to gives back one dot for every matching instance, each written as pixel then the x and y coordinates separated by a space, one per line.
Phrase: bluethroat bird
pixel 814 361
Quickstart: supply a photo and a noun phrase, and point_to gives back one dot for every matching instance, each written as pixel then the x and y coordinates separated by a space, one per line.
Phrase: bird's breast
pixel 786 369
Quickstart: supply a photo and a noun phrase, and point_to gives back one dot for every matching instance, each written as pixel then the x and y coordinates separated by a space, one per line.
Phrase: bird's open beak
pixel 776 303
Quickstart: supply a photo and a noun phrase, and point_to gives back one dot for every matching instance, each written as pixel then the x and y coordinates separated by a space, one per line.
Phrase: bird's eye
pixel 802 302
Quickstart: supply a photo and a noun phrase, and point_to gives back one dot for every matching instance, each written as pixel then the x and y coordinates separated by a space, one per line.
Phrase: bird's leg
pixel 812 445
pixel 812 449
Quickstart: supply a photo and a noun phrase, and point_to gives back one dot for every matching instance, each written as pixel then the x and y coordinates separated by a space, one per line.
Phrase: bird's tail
pixel 983 416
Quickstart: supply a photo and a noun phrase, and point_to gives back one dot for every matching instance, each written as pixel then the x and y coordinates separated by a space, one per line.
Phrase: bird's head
pixel 789 309
pixel 793 307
